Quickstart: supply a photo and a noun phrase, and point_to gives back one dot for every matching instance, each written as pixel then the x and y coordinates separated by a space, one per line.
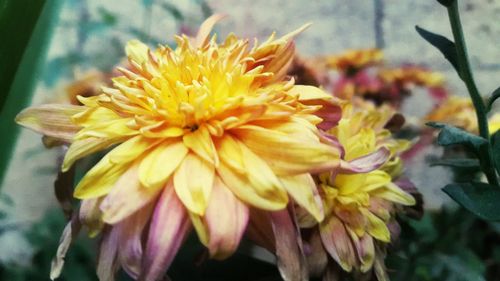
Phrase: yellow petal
pixel 200 227
pixel 137 51
pixel 200 142
pixel 376 227
pixel 52 120
pixel 308 93
pixel 303 190
pixel 230 152
pixel 395 194
pixel 161 162
pixel 131 149
pixel 193 182
pixel 294 156
pixel 100 179
pixel 260 175
pixel 242 188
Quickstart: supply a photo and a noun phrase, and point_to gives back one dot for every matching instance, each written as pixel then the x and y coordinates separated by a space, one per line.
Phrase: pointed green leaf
pixel 451 135
pixel 481 199
pixel 463 163
pixel 444 45
pixel 446 3
pixel 494 96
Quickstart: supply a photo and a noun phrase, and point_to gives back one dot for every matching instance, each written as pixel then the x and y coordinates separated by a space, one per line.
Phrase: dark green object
pixel 494 96
pixel 463 163
pixel 478 198
pixel 451 135
pixel 444 45
pixel 495 139
pixel 17 22
pixel 446 3
pixel 20 20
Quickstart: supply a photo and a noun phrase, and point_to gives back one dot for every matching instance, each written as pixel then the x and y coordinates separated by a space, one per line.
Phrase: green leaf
pixel 446 3
pixel 451 135
pixel 464 163
pixel 20 13
pixel 444 45
pixel 481 199
pixel 18 19
pixel 495 141
pixel 494 96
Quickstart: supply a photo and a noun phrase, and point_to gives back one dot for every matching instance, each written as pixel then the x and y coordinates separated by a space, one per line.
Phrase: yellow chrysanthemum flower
pixel 459 112
pixel 355 59
pixel 199 134
pixel 358 203
pixel 412 75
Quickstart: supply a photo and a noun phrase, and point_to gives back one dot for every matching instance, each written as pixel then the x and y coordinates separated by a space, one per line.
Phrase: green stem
pixel 468 78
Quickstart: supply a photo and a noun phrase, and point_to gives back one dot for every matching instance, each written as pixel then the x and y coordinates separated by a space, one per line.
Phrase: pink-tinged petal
pixel 169 226
pixel 365 248
pixel 226 218
pixel 126 197
pixel 205 29
pixel 70 232
pixel 291 260
pixel 52 120
pixel 260 231
pixel 317 259
pixel 91 215
pixel 337 243
pixel 130 232
pixel 107 261
pixel 367 163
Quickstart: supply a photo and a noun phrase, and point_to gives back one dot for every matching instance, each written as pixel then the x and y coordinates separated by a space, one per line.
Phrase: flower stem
pixel 468 78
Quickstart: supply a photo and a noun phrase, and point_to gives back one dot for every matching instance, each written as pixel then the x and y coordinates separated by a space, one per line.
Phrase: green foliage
pixel 460 163
pixel 443 44
pixel 446 3
pixel 442 247
pixel 479 198
pixel 451 135
pixel 44 238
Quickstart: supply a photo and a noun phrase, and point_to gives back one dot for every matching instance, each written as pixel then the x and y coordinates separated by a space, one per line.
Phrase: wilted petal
pixel 226 218
pixel 169 226
pixel 126 197
pixel 291 261
pixel 366 250
pixel 70 232
pixel 367 163
pixel 337 243
pixel 52 120
pixel 260 231
pixel 317 259
pixel 194 189
pixel 159 164
pixel 303 190
pixel 107 261
pixel 91 215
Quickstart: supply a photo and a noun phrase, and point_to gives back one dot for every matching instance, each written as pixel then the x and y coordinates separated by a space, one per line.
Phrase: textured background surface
pixel 337 25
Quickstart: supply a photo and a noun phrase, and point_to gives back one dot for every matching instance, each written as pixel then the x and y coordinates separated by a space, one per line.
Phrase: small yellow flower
pixel 359 204
pixel 412 75
pixel 354 59
pixel 459 112
pixel 199 135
